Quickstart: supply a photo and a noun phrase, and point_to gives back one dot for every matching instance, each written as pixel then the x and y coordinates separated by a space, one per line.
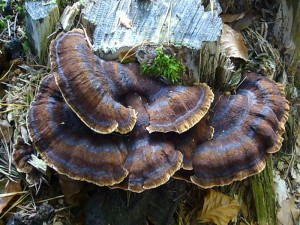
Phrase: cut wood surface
pixel 121 25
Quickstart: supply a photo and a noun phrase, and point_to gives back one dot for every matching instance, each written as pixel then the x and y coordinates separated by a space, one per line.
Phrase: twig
pixel 113 9
pixel 15 204
pixel 12 193
pixel 49 199
pixel 87 37
pixel 167 14
pixel 132 50
pixel 15 25
pixel 8 27
pixel 2 78
pixel 212 8
pixel 58 27
pixel 169 24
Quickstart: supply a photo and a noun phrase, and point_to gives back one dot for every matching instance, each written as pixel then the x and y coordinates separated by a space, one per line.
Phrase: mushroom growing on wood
pixel 71 123
pixel 21 155
pixel 178 108
pixel 247 126
pixel 95 95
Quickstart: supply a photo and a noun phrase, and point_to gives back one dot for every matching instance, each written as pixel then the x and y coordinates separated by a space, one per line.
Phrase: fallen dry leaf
pixel 8 190
pixel 125 20
pixel 218 208
pixel 232 43
pixel 288 214
pixel 5 131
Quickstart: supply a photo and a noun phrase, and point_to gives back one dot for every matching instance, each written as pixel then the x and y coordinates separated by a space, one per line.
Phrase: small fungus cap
pixel 188 141
pixel 21 155
pixel 178 108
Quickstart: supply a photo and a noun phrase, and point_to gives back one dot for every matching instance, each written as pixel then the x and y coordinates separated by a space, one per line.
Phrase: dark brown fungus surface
pixel 247 126
pixel 139 160
pixel 84 82
pixel 94 88
pixel 68 145
pixel 178 108
pixel 87 96
pixel 151 160
pixel 187 142
pixel 21 155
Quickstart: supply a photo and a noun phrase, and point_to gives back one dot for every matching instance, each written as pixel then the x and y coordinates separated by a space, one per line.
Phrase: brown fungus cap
pixel 85 83
pixel 70 147
pixel 178 108
pixel 21 155
pixel 247 126
pixel 151 160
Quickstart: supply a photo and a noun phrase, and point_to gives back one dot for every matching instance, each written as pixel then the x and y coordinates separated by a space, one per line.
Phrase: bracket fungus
pixel 73 117
pixel 247 126
pixel 85 83
pixel 162 129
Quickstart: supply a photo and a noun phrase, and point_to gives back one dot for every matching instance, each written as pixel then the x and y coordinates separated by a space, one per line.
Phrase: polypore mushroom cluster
pixel 104 123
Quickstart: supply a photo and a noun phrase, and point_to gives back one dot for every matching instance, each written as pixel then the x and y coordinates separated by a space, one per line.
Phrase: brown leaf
pixel 218 208
pixel 288 214
pixel 8 190
pixel 232 43
pixel 5 131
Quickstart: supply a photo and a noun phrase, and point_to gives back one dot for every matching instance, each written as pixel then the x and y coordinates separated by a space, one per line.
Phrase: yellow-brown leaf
pixel 218 208
pixel 9 188
pixel 232 43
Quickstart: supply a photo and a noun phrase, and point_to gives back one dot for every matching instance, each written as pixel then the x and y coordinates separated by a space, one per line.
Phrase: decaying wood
pixel 286 31
pixel 185 24
pixel 68 16
pixel 41 19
